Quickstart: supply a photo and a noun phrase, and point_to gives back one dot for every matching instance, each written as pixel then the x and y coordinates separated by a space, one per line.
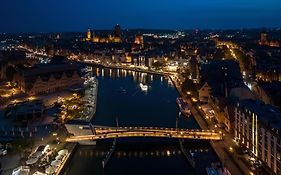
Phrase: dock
pixel 109 154
pixel 187 155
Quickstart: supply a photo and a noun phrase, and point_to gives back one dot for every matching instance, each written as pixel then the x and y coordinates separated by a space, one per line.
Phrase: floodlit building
pixel 139 40
pixel 257 127
pixel 221 82
pixel 264 41
pixel 47 78
pixel 111 38
pixel 89 35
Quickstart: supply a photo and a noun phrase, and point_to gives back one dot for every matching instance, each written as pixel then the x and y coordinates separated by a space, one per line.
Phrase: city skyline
pixel 74 16
pixel 140 87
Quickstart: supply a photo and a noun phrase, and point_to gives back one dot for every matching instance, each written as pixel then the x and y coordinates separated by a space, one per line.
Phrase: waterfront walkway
pixel 136 69
pixel 234 165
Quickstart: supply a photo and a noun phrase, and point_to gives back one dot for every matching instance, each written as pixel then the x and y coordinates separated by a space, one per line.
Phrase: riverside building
pixel 47 78
pixel 258 127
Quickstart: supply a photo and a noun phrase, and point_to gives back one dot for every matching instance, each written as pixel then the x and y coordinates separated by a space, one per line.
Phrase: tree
pixel 157 65
pixel 188 85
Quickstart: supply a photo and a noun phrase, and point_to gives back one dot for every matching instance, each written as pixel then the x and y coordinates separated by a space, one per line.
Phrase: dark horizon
pixel 71 15
pixel 147 29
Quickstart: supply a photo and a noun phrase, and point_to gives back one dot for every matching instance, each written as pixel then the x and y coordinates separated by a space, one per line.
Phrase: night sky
pixel 78 15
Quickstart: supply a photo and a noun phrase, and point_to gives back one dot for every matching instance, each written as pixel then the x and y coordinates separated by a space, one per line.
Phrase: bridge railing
pixel 169 134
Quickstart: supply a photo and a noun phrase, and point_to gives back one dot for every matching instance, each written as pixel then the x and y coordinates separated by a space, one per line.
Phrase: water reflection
pixel 142 78
pixel 168 152
pixel 148 158
pixel 139 77
pixel 120 95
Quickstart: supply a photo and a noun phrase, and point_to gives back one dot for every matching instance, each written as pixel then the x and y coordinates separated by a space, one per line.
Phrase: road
pixel 234 165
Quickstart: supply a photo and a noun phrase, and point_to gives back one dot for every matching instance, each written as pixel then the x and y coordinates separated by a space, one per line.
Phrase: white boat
pixel 144 87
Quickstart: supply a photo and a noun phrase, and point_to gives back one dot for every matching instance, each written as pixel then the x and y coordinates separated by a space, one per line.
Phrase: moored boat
pixel 183 107
pixel 217 169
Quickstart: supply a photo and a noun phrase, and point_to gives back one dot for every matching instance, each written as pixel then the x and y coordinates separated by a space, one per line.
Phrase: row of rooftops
pixel 268 114
pixel 272 90
pixel 221 74
pixel 15 55
pixel 27 107
pixel 58 64
pixel 47 69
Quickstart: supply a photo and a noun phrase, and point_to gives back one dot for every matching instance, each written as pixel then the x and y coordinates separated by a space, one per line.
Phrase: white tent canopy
pixel 59 157
pixel 63 152
pixel 56 163
pixel 50 170
pixel 39 173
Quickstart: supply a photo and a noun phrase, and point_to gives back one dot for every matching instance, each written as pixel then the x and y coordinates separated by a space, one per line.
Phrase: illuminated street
pixel 145 87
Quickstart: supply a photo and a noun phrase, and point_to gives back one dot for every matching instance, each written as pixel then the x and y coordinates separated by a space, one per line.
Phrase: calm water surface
pixel 122 101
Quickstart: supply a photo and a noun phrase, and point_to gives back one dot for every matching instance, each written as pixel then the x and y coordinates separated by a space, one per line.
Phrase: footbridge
pixel 123 132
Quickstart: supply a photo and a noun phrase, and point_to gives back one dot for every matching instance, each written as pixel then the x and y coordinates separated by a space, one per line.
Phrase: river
pixel 122 102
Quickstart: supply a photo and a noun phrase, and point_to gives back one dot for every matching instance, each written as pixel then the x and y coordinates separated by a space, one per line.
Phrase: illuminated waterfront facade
pixel 257 127
pixel 246 129
pixel 270 148
pixel 47 79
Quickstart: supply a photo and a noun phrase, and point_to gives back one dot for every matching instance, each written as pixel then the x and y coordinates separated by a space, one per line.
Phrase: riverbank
pixel 71 147
pixel 234 165
pixel 125 68
pixel 157 108
pixel 90 98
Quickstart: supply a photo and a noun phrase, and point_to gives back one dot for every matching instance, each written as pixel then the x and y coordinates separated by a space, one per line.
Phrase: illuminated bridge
pixel 123 132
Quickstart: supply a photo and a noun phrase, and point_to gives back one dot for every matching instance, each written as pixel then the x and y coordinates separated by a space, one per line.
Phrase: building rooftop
pixel 220 74
pixel 12 55
pixel 40 69
pixel 273 90
pixel 28 107
pixel 268 114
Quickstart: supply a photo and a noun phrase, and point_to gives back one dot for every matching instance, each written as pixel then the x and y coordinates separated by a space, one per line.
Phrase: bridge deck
pixel 119 132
